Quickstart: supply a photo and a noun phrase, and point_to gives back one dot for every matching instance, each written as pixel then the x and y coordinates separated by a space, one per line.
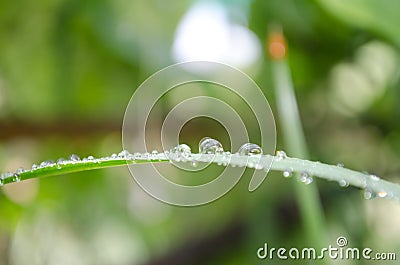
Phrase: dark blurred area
pixel 68 69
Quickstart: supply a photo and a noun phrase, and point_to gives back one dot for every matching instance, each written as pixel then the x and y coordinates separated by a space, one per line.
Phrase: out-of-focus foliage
pixel 68 69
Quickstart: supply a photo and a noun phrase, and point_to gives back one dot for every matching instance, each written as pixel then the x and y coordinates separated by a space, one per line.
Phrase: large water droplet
pixel 181 152
pixel 280 155
pixel 74 158
pixel 250 149
pixel 209 145
pixel 343 183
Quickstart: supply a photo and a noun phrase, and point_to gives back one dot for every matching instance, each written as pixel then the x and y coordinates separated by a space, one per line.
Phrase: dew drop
pixel 47 163
pixel 16 178
pixel 306 178
pixel 340 165
pixel 374 177
pixel 369 194
pixel 250 149
pixel 113 156
pixel 181 152
pixel 34 166
pixel 280 155
pixel 1 182
pixel 90 158
pixel 20 170
pixel 123 154
pixel 343 183
pixel 61 161
pixel 74 158
pixel 287 173
pixel 209 145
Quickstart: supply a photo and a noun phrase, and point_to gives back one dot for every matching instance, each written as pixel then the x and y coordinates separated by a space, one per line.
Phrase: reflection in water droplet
pixel 74 158
pixel 280 155
pixel 369 194
pixel 208 145
pixel 250 149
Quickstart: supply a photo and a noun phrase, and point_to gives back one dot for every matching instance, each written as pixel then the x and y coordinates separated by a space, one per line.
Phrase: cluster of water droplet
pixel 208 149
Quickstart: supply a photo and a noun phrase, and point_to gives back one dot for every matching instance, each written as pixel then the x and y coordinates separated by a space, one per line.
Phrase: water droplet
pixel 181 152
pixel 46 163
pixel 280 155
pixel 20 170
pixel 114 156
pixel 374 177
pixel 287 173
pixel 1 182
pixel 306 178
pixel 34 166
pixel 209 145
pixel 61 161
pixel 154 152
pixel 74 158
pixel 250 149
pixel 123 154
pixel 90 158
pixel 340 165
pixel 343 183
pixel 369 194
pixel 16 178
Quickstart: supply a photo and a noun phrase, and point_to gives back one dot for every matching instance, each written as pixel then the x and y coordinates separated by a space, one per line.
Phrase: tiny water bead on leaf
pixel 305 178
pixel 280 155
pixel 250 149
pixel 369 194
pixel 209 145
pixel 287 173
pixel 74 157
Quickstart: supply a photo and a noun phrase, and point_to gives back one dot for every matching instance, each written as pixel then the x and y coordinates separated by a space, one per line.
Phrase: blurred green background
pixel 68 69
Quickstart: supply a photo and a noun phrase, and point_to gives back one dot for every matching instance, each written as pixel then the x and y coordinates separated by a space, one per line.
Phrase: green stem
pixel 370 183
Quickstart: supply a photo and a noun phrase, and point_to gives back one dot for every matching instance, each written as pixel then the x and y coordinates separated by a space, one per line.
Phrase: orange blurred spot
pixel 276 45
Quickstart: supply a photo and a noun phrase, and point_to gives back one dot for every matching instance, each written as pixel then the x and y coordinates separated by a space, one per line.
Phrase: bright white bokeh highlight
pixel 205 33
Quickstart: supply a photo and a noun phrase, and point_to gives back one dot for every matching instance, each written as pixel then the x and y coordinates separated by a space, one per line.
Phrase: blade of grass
pixel 294 140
